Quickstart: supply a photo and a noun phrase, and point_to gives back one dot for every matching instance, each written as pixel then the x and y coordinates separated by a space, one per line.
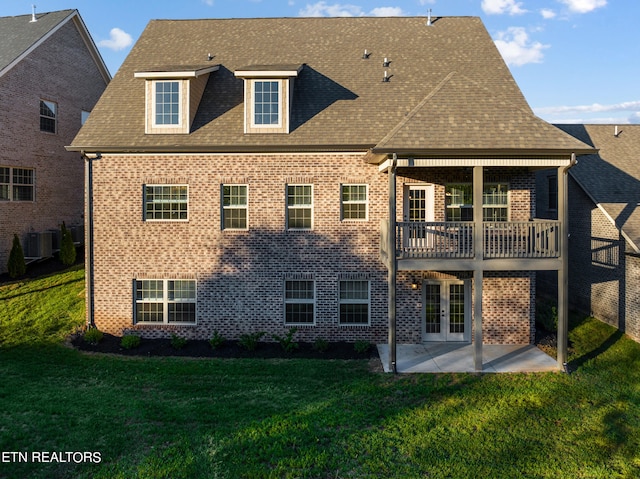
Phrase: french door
pixel 446 307
pixel 419 209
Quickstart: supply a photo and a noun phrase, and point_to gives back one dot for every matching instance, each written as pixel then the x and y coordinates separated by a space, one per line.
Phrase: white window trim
pixel 154 84
pixel 365 202
pixel 144 204
pixel 287 207
pixel 233 207
pixel 11 184
pixel 252 102
pixel 165 302
pixel 355 301
pixel 299 301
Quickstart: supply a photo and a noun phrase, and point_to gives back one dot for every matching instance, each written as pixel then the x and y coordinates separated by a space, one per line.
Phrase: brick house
pixel 604 224
pixel 51 76
pixel 259 174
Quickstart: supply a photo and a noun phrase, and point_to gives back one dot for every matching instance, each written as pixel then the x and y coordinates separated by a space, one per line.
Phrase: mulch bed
pixel 230 349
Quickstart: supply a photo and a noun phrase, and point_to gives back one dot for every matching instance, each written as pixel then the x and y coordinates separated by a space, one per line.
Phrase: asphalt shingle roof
pixel 448 88
pixel 18 33
pixel 612 176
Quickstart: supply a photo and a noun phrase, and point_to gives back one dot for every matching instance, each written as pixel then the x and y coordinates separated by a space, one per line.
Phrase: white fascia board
pixel 265 74
pixel 177 74
pixel 468 162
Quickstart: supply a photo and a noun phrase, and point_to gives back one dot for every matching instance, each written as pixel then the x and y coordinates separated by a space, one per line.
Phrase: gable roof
pixel 611 178
pixel 448 88
pixel 20 36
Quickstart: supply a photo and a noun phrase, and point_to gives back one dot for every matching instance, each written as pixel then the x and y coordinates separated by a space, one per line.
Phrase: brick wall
pixel 603 277
pixel 60 70
pixel 240 274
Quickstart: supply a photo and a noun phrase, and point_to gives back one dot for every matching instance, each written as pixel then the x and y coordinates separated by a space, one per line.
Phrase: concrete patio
pixel 458 358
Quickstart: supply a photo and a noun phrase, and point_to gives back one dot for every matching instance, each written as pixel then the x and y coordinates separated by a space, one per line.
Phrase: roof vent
pixel 616 131
pixel 33 14
pixel 366 55
pixel 429 22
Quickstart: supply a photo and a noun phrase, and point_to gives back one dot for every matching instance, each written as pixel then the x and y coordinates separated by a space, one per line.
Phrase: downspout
pixel 393 264
pixel 89 274
pixel 563 285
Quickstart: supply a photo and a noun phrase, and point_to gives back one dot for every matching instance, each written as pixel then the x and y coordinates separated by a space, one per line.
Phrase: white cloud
pixel 118 40
pixel 499 7
pixel 583 6
pixel 547 13
pixel 427 2
pixel 516 47
pixel 618 113
pixel 633 106
pixel 208 2
pixel 322 9
pixel 387 12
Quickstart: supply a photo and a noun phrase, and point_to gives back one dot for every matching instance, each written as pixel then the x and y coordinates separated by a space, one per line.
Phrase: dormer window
pixel 268 93
pixel 266 103
pixel 167 103
pixel 172 95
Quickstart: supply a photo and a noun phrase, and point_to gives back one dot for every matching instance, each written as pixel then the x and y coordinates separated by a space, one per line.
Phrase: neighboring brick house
pixel 51 76
pixel 255 175
pixel 604 224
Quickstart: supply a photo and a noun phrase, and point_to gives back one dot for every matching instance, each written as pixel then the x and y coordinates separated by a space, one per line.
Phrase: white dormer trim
pixel 267 73
pixel 177 74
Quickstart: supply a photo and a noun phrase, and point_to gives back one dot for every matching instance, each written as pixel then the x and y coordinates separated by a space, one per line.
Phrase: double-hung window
pixel 16 184
pixel 299 207
pixel 48 115
pixel 167 103
pixel 354 202
pixel 459 202
pixel 266 103
pixel 299 301
pixel 165 301
pixel 234 207
pixel 354 302
pixel 166 202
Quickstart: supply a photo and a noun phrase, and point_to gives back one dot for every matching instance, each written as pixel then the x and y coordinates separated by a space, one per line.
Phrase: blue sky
pixel 576 61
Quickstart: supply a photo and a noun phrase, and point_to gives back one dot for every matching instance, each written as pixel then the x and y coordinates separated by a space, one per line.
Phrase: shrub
pixel 547 316
pixel 16 265
pixel 321 345
pixel 249 341
pixel 93 336
pixel 361 346
pixel 216 340
pixel 287 342
pixel 67 248
pixel 178 342
pixel 130 341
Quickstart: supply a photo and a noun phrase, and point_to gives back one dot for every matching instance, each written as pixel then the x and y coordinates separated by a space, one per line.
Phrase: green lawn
pixel 188 418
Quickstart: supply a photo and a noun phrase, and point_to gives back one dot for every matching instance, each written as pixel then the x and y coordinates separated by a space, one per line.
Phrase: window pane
pixel 354 202
pixel 182 290
pixel 295 289
pixel 354 313
pixel 167 103
pixel 48 110
pixel 168 202
pixel 266 103
pixel 149 313
pixel 354 290
pixel 182 313
pixel 297 313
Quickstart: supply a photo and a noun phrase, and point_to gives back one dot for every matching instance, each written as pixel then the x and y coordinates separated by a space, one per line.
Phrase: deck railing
pixel 527 239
